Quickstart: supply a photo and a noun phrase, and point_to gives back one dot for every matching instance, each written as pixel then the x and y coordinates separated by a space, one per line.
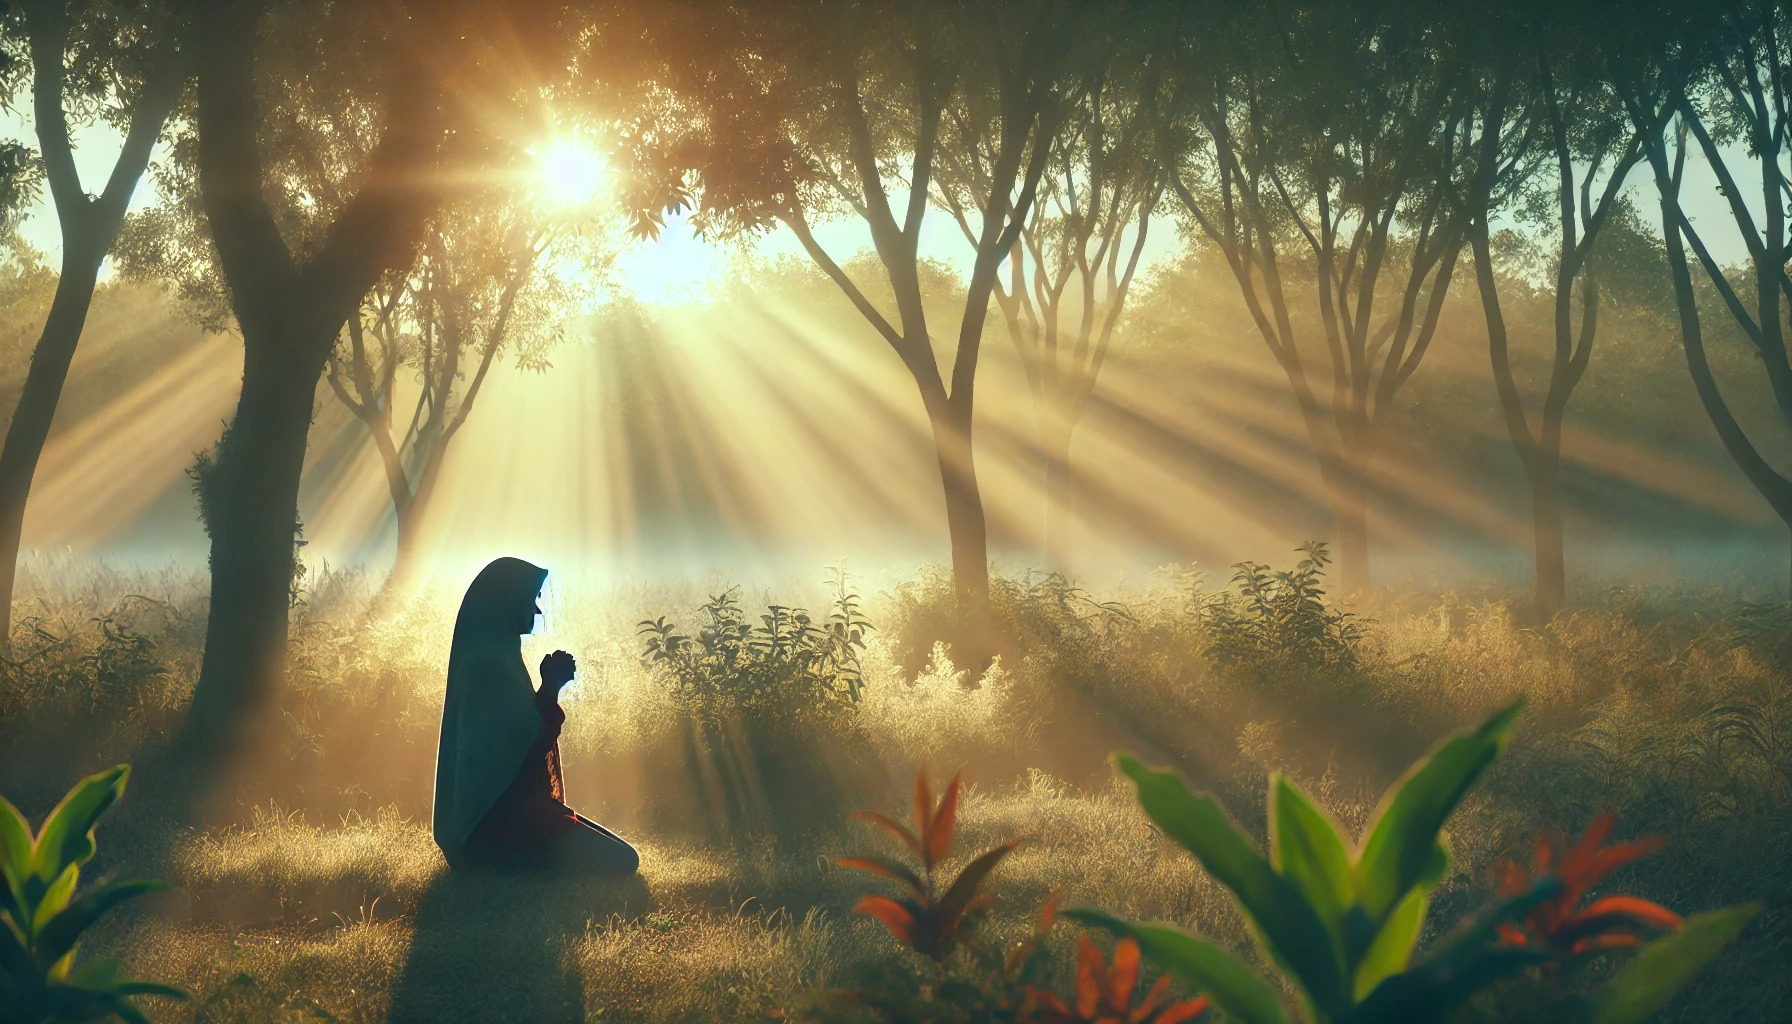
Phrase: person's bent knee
pixel 588 851
pixel 628 861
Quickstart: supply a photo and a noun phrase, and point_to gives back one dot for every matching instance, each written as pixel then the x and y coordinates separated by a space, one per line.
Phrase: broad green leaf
pixel 1466 963
pixel 96 974
pixel 56 898
pixel 59 935
pixel 1292 930
pixel 1306 847
pixel 1405 831
pixel 1391 951
pixel 67 835
pixel 1201 966
pixel 15 842
pixel 1663 967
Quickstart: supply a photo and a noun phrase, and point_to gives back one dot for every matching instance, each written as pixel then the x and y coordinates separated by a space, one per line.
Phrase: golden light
pixel 569 172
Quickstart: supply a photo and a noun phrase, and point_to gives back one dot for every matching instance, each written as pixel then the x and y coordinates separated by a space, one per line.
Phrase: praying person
pixel 500 801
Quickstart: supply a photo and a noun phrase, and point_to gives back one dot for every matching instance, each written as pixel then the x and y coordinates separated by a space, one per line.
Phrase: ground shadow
pixel 493 948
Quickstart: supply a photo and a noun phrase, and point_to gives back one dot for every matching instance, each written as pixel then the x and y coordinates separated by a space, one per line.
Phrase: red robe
pixel 532 813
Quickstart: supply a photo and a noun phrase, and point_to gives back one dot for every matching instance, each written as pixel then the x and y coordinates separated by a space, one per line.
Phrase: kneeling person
pixel 500 801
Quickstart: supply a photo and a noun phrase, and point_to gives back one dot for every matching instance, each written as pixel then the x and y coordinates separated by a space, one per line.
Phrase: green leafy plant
pixel 787 664
pixel 1342 924
pixel 43 918
pixel 1279 619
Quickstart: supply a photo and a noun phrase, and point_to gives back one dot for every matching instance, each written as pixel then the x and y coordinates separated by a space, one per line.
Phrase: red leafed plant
pixel 1561 923
pixel 1104 993
pixel 927 920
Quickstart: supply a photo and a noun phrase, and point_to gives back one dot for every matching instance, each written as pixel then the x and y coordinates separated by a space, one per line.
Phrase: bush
pixel 767 730
pixel 1278 621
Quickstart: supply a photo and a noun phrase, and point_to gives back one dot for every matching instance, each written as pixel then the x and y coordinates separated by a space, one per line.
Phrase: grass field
pixel 319 895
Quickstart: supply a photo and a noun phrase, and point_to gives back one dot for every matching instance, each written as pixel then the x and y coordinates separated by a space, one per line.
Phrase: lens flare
pixel 569 172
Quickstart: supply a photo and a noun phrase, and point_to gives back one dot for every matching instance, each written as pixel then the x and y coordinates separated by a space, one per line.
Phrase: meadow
pixel 319 895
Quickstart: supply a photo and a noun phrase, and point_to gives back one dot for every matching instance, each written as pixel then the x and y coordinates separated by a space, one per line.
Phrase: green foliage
pixel 1343 927
pixel 787 666
pixel 1280 620
pixel 43 919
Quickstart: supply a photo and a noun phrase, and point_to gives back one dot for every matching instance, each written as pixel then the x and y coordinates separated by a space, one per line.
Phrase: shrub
pixel 1278 620
pixel 43 919
pixel 785 668
pixel 768 735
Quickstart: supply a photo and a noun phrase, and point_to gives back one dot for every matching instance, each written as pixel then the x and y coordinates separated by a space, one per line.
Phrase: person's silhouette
pixel 500 800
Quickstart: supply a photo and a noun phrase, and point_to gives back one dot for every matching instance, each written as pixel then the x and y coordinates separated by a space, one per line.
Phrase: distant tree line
pixel 336 192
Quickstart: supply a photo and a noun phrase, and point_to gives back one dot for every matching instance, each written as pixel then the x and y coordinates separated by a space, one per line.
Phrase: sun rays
pixel 763 430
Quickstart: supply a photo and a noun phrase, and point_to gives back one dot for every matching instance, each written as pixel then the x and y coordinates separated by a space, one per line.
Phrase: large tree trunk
pixel 289 315
pixel 31 420
pixel 249 495
pixel 968 532
pixel 1550 586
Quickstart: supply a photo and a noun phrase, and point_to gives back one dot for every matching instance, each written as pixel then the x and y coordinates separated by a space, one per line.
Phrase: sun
pixel 569 172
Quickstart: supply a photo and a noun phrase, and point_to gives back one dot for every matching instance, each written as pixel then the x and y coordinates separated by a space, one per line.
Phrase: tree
pixel 1545 130
pixel 1719 79
pixel 1334 132
pixel 1076 254
pixel 306 178
pixel 765 115
pixel 116 61
pixel 479 287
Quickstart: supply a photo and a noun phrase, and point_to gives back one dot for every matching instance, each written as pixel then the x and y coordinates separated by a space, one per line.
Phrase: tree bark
pixel 1550 583
pixel 249 495
pixel 31 420
pixel 967 531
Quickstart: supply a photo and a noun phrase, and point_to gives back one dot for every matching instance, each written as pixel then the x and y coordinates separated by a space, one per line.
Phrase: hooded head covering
pixel 489 718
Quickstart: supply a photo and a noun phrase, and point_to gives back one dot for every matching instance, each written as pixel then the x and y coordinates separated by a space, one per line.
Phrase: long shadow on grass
pixel 492 948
